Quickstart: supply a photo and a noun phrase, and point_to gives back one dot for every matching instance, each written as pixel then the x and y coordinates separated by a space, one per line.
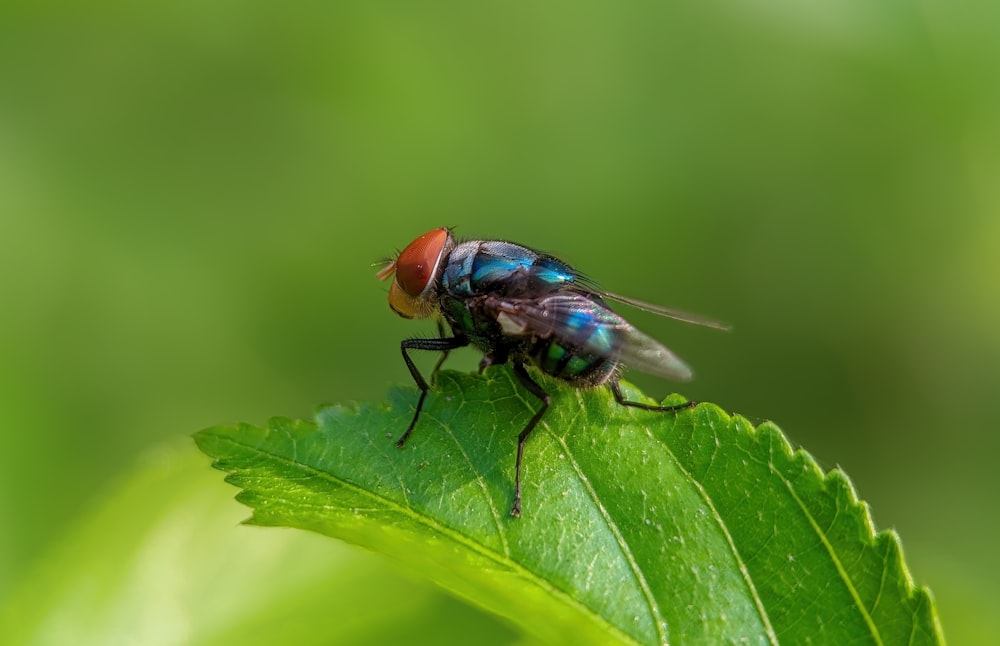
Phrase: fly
pixel 523 306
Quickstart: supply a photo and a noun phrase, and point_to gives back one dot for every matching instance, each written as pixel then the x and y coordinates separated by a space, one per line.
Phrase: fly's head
pixel 415 274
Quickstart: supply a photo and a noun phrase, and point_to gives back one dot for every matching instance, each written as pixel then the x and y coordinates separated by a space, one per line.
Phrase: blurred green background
pixel 192 195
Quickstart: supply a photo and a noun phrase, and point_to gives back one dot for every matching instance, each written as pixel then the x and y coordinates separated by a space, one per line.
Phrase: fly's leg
pixel 444 353
pixel 440 345
pixel 536 390
pixel 617 391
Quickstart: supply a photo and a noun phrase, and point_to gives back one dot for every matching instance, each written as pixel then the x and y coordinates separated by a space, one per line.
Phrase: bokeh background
pixel 193 194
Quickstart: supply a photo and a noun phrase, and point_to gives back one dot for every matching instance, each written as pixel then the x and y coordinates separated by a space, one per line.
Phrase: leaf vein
pixel 741 564
pixel 501 532
pixel 654 609
pixel 869 622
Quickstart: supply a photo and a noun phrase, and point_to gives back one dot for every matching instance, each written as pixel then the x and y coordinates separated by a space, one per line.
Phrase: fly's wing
pixel 669 312
pixel 581 320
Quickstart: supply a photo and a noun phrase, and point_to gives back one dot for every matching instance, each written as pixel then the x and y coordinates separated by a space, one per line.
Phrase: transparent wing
pixel 669 312
pixel 580 320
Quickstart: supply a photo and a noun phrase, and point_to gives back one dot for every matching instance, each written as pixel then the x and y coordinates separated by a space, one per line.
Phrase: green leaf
pixel 638 526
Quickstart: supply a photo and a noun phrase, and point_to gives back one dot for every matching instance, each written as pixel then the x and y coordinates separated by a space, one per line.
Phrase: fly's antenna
pixel 387 264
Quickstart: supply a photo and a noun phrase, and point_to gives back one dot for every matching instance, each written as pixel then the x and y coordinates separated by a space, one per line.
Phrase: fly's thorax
pixel 494 266
pixel 457 314
pixel 456 279
pixel 469 318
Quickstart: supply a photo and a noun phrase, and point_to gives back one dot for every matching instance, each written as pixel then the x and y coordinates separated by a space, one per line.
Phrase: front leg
pixel 444 353
pixel 441 345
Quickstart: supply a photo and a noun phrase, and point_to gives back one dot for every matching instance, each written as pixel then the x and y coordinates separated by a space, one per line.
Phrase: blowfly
pixel 523 306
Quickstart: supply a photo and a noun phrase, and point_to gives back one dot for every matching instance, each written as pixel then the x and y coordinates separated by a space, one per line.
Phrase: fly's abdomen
pixel 571 364
pixel 579 352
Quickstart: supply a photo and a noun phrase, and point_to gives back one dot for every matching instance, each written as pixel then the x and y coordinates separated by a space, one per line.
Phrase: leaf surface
pixel 638 526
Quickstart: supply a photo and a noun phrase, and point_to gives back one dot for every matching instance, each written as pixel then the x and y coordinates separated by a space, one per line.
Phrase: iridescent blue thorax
pixel 503 268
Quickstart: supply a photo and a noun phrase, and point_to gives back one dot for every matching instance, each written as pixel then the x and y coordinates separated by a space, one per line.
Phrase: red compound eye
pixel 417 264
